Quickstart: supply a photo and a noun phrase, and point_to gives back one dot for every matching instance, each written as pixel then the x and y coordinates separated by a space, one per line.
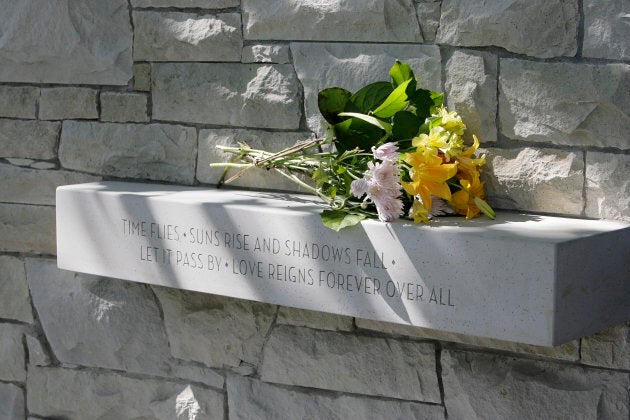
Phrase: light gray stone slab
pixel 258 139
pixel 537 28
pixel 483 386
pixel 142 77
pixel 18 101
pixel 471 90
pixel 37 355
pixel 606 29
pixel 429 17
pixel 64 41
pixel 68 103
pixel 607 186
pixel 174 36
pixel 565 103
pixel 352 66
pixel 34 186
pixel 202 4
pixel 12 354
pixel 214 330
pixel 154 151
pixel 246 95
pixel 609 348
pixel 124 107
pixel 312 319
pixel 538 180
pixel 20 161
pixel 27 228
pixel 349 363
pixel 28 139
pixel 182 237
pixel 253 399
pixel 66 393
pixel 312 20
pixel 11 402
pixel 266 53
pixel 14 299
pixel 43 165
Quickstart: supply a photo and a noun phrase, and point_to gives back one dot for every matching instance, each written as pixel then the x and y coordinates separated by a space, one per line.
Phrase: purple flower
pixel 386 151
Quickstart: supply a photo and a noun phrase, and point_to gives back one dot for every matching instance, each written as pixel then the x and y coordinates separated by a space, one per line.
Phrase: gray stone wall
pixel 144 89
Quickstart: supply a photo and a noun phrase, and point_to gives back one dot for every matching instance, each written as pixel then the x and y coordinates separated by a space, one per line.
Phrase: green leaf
pixel 400 73
pixel 406 125
pixel 355 132
pixel 331 102
pixel 438 100
pixel 339 219
pixel 369 119
pixel 423 102
pixel 485 208
pixel 395 102
pixel 371 96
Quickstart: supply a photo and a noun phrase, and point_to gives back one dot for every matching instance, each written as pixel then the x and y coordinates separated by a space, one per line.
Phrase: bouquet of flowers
pixel 391 150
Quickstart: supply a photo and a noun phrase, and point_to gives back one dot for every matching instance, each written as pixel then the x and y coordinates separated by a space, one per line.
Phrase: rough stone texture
pixel 490 386
pixel 124 107
pixel 43 165
pixel 155 151
pixel 568 351
pixel 252 399
pixel 11 402
pixel 14 300
pixel 471 90
pixel 606 29
pixel 608 186
pixel 254 178
pixel 28 139
pixel 115 324
pixel 362 365
pixel 353 20
pixel 429 17
pixel 37 355
pixel 87 42
pixel 12 355
pixel 312 319
pixel 27 228
pixel 565 103
pixel 68 102
pixel 201 4
pixel 33 186
pixel 55 392
pixel 20 161
pixel 248 95
pixel 142 77
pixel 266 53
pixel 214 330
pixel 186 36
pixel 18 101
pixel 538 180
pixel 609 348
pixel 537 28
pixel 352 66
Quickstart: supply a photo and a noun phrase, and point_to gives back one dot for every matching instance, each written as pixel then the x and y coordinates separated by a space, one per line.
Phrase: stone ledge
pixel 531 279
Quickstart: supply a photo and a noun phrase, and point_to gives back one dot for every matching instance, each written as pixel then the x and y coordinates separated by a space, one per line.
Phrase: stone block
pixel 155 151
pixel 471 90
pixel 246 95
pixel 174 36
pixel 214 330
pixel 253 399
pixel 429 17
pixel 354 20
pixel 43 165
pixel 84 394
pixel 360 365
pixel 115 325
pixel 609 348
pixel 18 101
pixel 607 186
pixel 258 139
pixel 67 42
pixel 480 385
pixel 606 29
pixel 11 402
pixel 68 103
pixel 37 354
pixel 187 4
pixel 536 28
pixel 27 228
pixel 28 139
pixel 34 186
pixel 266 53
pixel 142 77
pixel 12 355
pixel 352 66
pixel 312 319
pixel 537 180
pixel 123 107
pixel 572 104
pixel 14 300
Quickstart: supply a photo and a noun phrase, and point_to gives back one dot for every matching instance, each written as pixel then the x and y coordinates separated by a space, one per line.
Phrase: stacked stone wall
pixel 143 90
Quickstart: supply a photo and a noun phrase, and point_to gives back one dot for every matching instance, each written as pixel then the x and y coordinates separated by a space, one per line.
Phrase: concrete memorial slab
pixel 526 278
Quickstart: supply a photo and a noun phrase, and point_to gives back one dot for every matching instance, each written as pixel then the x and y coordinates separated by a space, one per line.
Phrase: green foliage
pixel 339 219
